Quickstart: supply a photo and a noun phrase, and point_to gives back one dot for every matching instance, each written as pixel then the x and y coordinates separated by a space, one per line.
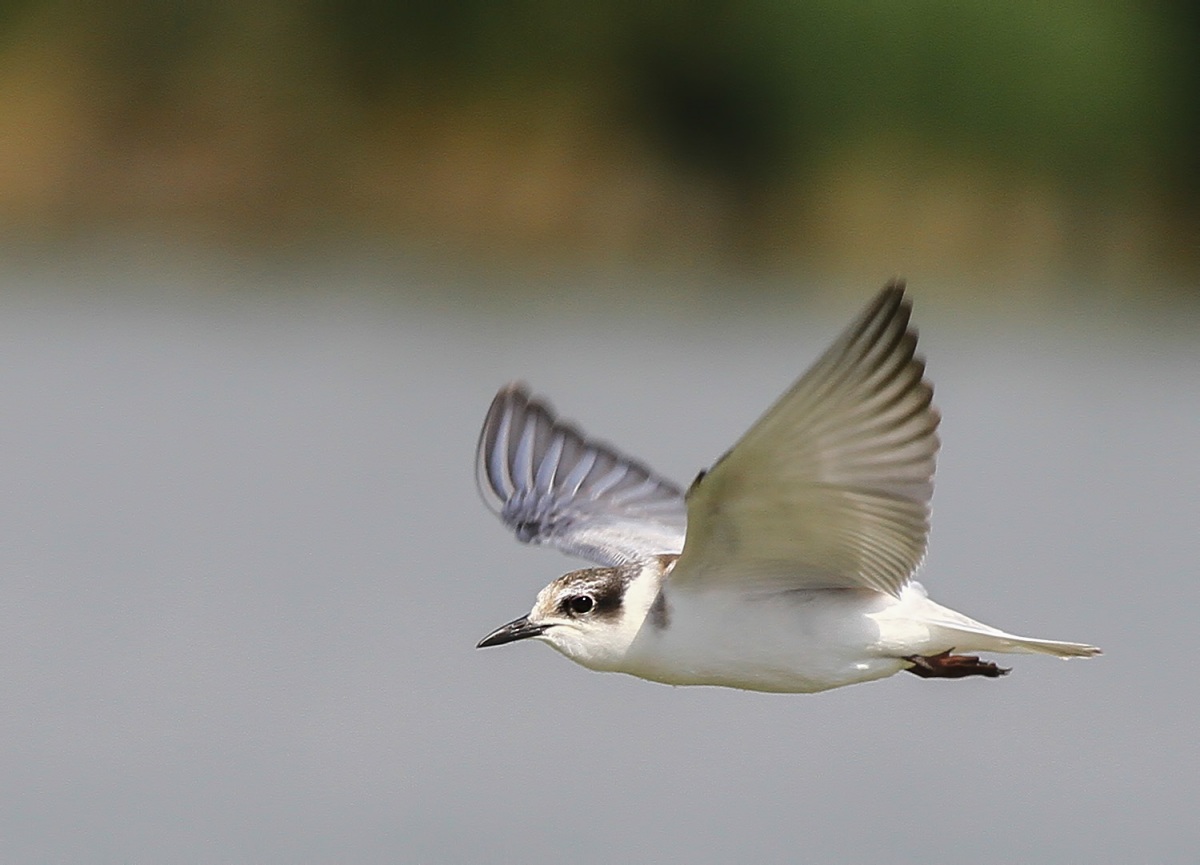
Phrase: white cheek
pixel 580 647
pixel 565 639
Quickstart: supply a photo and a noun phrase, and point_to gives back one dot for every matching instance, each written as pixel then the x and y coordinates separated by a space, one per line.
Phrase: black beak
pixel 517 629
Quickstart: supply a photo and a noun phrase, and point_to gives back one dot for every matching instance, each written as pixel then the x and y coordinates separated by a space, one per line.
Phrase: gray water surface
pixel 243 569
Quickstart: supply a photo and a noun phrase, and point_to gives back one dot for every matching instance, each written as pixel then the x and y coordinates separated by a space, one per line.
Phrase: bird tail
pixel 998 641
pixel 951 629
pixel 967 635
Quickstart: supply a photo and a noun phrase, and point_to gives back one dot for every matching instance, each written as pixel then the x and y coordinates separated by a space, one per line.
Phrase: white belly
pixel 792 642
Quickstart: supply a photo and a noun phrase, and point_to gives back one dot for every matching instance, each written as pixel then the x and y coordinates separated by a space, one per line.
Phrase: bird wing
pixel 831 487
pixel 552 485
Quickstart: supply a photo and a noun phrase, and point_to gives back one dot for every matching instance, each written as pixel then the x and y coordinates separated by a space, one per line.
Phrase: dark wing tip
pixel 890 304
pixel 489 475
pixel 515 392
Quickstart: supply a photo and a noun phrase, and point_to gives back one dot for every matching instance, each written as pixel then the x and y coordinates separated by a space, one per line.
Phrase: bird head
pixel 586 615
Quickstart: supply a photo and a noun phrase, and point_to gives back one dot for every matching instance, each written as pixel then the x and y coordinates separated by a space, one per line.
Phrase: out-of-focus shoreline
pixel 259 140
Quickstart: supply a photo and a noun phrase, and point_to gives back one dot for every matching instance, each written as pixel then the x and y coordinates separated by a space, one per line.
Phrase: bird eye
pixel 580 604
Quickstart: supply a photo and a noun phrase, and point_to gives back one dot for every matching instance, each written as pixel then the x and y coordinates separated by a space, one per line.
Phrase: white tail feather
pixel 978 637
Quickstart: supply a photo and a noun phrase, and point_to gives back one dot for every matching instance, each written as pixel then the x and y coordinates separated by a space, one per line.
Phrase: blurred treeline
pixel 1021 139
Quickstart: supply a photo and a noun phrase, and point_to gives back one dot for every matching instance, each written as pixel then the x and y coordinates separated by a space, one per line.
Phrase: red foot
pixel 947 666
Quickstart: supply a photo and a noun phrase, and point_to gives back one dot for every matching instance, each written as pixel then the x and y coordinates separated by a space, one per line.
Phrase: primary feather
pixel 552 485
pixel 831 487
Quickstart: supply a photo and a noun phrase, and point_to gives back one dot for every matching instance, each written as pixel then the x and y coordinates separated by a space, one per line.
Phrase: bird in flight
pixel 787 567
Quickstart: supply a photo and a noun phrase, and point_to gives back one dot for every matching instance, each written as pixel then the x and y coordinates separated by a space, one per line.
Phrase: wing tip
pixel 893 293
pixel 514 391
pixel 512 400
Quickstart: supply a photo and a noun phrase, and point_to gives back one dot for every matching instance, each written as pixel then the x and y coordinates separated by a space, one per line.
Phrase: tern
pixel 787 567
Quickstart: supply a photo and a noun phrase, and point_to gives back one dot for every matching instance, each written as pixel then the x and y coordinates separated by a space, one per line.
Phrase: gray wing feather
pixel 831 487
pixel 552 485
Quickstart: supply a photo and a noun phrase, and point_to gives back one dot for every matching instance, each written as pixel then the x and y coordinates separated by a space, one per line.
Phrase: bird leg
pixel 946 666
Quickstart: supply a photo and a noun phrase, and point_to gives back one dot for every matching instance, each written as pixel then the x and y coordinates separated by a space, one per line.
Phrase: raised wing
pixel 552 485
pixel 831 487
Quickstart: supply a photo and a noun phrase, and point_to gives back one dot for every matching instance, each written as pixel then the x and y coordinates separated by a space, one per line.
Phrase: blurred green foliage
pixel 1082 89
pixel 1100 100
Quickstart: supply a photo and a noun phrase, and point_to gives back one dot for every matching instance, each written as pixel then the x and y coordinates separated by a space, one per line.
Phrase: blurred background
pixel 263 266
pixel 1026 142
